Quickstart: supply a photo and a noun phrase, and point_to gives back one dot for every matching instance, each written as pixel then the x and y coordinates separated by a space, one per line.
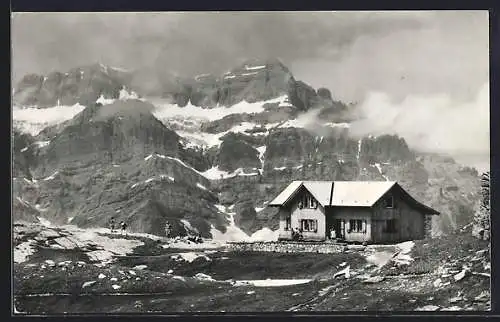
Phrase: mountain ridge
pixel 238 156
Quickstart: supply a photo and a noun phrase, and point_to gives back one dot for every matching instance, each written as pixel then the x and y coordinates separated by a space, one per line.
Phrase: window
pixel 357 226
pixel 307 201
pixel 390 226
pixel 309 225
pixel 288 223
pixel 389 202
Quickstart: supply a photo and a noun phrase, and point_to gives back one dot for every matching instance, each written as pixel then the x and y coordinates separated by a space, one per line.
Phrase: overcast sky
pixel 354 54
pixel 350 53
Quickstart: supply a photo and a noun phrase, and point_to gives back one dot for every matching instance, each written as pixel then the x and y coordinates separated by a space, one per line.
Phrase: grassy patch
pixel 250 265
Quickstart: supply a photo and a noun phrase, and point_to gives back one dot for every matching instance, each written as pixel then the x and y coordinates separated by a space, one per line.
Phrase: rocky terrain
pixel 83 85
pixel 206 154
pixel 481 222
pixel 66 269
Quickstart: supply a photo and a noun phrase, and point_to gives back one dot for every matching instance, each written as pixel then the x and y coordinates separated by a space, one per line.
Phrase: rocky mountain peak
pixel 83 85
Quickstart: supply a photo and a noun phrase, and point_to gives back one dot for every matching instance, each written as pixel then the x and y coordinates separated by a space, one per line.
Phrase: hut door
pixel 340 228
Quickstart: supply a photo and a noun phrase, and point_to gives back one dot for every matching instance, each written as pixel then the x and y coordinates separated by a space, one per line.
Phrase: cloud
pixel 129 108
pixel 435 123
pixel 448 54
pixel 187 43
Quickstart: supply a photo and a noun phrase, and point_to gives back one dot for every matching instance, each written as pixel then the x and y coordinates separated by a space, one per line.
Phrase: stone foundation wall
pixel 288 247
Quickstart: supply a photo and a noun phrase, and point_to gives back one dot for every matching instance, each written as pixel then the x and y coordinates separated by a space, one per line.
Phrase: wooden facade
pixel 394 217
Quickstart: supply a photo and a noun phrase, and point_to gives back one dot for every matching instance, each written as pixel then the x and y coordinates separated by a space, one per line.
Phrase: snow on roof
pixel 286 194
pixel 359 193
pixel 321 190
pixel 345 193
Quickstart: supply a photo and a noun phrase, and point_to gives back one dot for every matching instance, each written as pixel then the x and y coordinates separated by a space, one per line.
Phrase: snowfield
pixel 33 120
pixel 166 111
pixel 235 234
pixel 215 174
pixel 204 139
pixel 189 257
pixel 23 251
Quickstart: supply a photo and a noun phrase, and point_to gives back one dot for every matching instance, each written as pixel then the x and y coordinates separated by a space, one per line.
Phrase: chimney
pixel 331 193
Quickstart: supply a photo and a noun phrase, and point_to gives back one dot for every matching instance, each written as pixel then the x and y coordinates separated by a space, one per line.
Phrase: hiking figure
pixel 123 226
pixel 333 234
pixel 168 229
pixel 296 234
pixel 112 224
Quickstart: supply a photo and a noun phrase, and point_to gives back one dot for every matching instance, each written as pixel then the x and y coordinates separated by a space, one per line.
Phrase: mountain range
pixel 205 154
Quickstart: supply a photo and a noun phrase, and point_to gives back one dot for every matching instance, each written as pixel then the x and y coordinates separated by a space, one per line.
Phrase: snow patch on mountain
pixel 337 125
pixel 254 67
pixel 189 257
pixel 233 232
pixel 188 226
pixel 33 120
pixel 105 101
pixel 262 151
pixel 199 185
pixel 41 144
pixel 249 74
pixel 123 95
pixel 23 251
pixel 360 141
pixel 377 165
pixel 161 177
pixel 51 177
pixel 208 140
pixel 165 110
pixel 156 155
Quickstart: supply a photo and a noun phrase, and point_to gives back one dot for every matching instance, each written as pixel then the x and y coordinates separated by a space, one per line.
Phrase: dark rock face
pixel 385 148
pixel 253 81
pixel 256 139
pixel 24 211
pixel 325 93
pixel 24 154
pixel 234 154
pixel 110 134
pixel 245 216
pixel 205 91
pixel 81 85
pixel 273 114
pixel 302 95
pixel 197 158
pixel 149 205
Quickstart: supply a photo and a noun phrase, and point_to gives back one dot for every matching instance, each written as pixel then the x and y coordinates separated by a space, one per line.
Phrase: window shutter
pixel 348 226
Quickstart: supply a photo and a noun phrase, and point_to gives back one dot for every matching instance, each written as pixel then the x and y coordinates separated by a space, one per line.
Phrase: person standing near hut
pixel 112 224
pixel 123 226
pixel 333 234
pixel 168 229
